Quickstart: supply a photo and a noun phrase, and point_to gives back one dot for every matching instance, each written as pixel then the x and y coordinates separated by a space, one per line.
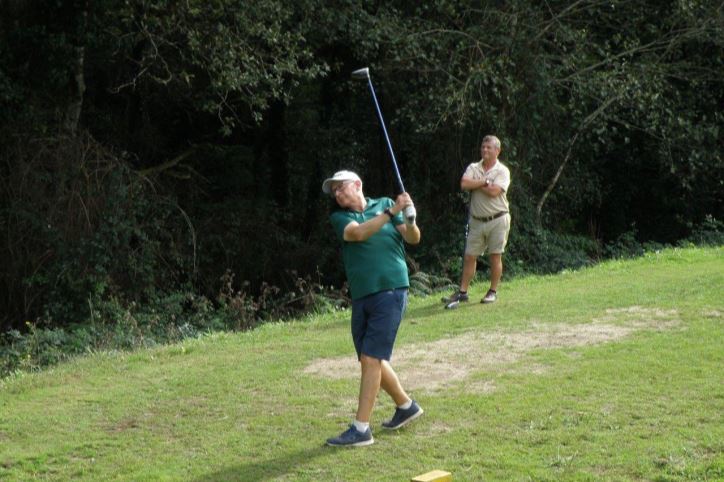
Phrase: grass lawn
pixel 615 372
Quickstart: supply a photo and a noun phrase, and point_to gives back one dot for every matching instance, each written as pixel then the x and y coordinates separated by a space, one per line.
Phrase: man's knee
pixel 370 361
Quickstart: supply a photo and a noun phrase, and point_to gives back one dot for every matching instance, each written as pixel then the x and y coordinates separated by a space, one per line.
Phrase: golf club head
pixel 361 74
pixel 452 305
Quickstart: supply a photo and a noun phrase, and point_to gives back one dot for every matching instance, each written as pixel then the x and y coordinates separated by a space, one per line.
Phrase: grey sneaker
pixel 352 438
pixel 490 297
pixel 457 296
pixel 403 417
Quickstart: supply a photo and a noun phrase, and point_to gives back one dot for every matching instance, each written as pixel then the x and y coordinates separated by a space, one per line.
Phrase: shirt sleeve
pixel 340 220
pixel 470 172
pixel 503 179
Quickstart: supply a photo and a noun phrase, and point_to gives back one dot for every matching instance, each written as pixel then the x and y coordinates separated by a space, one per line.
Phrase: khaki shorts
pixel 491 236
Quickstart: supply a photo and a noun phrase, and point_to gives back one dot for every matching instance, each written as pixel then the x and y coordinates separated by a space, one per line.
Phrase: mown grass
pixel 646 406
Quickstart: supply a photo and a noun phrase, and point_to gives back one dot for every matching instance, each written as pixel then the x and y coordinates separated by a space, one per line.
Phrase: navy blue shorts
pixel 375 320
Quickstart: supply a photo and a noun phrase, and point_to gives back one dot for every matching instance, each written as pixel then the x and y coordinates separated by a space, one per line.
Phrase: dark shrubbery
pixel 708 233
pixel 83 226
pixel 541 251
pixel 112 324
pixel 100 257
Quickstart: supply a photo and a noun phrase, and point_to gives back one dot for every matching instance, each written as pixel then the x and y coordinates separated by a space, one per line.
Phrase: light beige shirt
pixel 482 205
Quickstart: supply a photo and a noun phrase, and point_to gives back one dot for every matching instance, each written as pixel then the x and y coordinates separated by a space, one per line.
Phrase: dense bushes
pixel 115 324
pixel 83 226
pixel 102 257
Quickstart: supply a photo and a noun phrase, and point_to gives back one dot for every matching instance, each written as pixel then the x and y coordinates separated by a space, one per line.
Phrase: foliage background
pixel 161 162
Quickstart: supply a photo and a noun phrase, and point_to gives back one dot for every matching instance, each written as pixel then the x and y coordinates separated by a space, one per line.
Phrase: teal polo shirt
pixel 378 263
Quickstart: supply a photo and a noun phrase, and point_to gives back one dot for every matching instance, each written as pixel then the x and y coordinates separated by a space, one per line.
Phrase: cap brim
pixel 341 176
pixel 327 186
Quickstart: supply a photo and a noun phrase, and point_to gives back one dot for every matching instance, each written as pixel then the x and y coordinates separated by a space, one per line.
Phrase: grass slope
pixel 644 406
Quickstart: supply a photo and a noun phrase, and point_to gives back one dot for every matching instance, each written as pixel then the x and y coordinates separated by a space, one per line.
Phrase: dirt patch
pixel 449 361
pixel 638 317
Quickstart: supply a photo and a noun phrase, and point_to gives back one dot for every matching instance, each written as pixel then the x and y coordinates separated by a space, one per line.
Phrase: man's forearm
pixel 492 190
pixel 467 184
pixel 362 232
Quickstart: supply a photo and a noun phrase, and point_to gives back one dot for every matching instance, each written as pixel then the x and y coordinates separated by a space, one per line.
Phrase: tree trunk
pixel 75 106
pixel 278 155
pixel 569 151
pixel 72 113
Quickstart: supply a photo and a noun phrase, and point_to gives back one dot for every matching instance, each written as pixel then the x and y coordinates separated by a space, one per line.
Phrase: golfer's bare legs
pixel 470 262
pixel 369 386
pixel 496 270
pixel 391 385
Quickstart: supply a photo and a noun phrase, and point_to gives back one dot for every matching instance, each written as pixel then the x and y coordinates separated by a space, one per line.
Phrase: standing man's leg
pixel 497 240
pixel 496 270
pixel 470 263
pixel 475 245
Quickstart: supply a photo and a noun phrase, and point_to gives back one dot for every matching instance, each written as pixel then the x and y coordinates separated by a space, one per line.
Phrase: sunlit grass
pixel 645 404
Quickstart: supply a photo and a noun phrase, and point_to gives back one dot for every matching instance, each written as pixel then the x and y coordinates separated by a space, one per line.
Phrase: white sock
pixel 361 426
pixel 405 406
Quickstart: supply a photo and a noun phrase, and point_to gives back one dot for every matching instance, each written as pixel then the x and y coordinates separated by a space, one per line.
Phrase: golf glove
pixel 410 215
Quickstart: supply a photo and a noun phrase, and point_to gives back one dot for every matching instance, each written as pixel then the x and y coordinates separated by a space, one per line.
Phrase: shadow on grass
pixel 293 464
pixel 268 469
pixel 438 310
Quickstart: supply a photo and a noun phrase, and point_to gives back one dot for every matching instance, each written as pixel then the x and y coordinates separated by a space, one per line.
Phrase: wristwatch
pixel 389 213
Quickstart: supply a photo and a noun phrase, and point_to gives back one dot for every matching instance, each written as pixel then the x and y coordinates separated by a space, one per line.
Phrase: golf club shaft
pixel 387 137
pixel 410 213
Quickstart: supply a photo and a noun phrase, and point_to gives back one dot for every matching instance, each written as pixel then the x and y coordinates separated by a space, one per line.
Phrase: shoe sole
pixel 406 421
pixel 357 444
pixel 487 302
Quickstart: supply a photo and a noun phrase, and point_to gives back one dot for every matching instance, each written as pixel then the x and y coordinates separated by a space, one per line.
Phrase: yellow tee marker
pixel 434 476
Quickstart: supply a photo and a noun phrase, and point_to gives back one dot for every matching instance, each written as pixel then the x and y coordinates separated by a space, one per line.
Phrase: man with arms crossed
pixel 488 181
pixel 372 232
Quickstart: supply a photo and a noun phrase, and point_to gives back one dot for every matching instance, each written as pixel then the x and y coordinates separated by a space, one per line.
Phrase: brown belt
pixel 489 218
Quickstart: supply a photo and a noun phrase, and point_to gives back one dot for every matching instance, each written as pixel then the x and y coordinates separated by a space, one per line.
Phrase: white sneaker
pixel 490 297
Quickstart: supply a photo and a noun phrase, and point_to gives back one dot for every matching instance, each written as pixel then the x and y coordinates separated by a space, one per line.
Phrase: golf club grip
pixel 410 214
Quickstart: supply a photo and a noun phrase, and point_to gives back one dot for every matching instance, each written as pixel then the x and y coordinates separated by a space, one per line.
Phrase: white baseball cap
pixel 339 176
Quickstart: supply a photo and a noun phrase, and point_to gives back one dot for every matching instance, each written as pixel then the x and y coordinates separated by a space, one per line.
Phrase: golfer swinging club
pixel 372 232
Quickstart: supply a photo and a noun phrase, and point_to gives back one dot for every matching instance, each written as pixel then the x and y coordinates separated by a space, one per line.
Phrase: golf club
pixel 456 304
pixel 362 74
